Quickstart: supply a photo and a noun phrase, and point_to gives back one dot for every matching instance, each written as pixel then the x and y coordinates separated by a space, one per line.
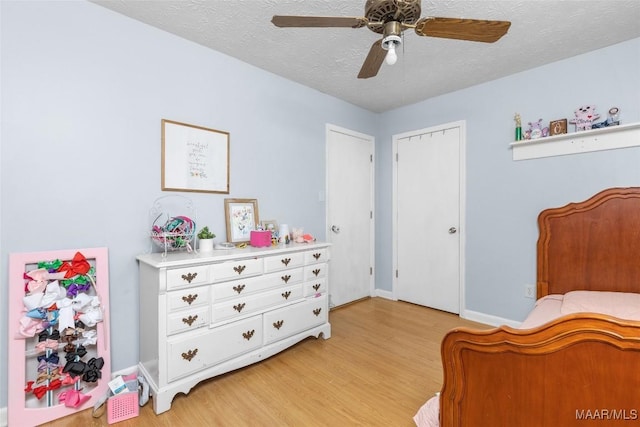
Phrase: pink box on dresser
pixel 260 238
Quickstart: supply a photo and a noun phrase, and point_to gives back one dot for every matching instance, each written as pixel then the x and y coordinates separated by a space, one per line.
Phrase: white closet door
pixel 428 207
pixel 350 214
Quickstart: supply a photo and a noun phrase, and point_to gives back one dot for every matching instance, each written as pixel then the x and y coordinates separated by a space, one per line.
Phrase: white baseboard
pixel 384 294
pixel 126 371
pixel 474 316
pixel 488 319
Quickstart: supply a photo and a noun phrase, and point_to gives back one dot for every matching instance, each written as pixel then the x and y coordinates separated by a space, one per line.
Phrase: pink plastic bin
pixel 122 407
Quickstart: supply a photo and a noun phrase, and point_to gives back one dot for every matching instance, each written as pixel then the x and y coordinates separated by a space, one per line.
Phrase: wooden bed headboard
pixel 597 241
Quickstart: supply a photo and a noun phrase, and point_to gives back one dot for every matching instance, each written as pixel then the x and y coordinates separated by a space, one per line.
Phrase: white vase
pixel 205 245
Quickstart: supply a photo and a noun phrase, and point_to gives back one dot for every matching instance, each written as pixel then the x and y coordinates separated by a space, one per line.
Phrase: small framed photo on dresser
pixel 558 127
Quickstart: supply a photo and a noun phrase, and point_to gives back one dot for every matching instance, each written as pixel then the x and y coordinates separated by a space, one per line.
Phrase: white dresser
pixel 204 314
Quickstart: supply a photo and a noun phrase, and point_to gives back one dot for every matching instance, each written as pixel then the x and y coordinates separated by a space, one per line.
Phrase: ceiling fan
pixel 390 18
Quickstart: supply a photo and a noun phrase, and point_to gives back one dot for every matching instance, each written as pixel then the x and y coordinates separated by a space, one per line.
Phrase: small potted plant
pixel 205 238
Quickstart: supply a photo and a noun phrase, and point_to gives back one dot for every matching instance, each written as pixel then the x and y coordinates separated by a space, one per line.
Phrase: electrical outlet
pixel 530 291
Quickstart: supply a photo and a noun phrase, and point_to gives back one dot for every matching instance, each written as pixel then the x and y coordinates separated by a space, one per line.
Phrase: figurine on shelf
pixel 584 117
pixel 613 119
pixel 518 127
pixel 536 130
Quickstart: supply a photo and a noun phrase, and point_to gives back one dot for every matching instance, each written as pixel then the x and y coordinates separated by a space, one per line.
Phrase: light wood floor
pixel 380 365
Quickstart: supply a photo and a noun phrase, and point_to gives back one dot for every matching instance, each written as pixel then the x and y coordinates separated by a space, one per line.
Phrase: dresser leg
pixel 162 402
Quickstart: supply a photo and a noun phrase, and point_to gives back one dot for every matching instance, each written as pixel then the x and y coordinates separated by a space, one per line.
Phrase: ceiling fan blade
pixel 373 62
pixel 318 21
pixel 462 29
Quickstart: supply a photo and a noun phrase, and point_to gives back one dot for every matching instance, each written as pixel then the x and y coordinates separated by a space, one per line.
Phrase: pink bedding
pixel 618 304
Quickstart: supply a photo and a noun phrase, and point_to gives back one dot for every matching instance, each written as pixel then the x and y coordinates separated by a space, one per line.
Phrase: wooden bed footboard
pixel 579 370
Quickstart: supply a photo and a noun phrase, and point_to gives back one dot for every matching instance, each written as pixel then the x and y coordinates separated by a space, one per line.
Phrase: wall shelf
pixel 608 138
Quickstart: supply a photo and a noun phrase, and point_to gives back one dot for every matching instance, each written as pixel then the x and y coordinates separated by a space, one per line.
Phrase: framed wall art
pixel 194 158
pixel 241 217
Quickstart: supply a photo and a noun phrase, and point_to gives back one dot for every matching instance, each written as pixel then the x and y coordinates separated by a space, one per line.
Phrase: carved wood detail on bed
pixel 559 374
pixel 577 370
pixel 591 245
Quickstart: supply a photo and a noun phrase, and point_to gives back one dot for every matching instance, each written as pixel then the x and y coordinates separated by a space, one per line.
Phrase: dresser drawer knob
pixel 286 278
pixel 317 255
pixel 189 276
pixel 190 298
pixel 239 307
pixel 286 295
pixel 239 288
pixel 189 320
pixel 249 334
pixel 190 354
pixel 239 269
pixel 285 261
pixel 316 286
pixel 278 324
pixel 317 311
pixel 316 271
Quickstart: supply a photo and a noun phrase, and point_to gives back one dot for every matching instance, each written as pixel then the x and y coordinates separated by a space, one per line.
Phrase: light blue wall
pixel 84 90
pixel 83 93
pixel 504 197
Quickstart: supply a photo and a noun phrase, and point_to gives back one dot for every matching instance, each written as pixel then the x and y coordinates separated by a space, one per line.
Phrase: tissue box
pixel 260 238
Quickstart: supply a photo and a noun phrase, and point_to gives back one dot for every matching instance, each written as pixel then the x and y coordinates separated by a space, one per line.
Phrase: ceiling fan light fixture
pixel 390 43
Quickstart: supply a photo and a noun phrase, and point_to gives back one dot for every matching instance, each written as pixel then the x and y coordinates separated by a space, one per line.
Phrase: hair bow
pixel 92 370
pixel 46 340
pixel 48 344
pixel 40 391
pixel 44 376
pixel 89 337
pixel 68 379
pixel 52 358
pixel 74 288
pixel 78 266
pixel 50 265
pixel 79 352
pixel 53 320
pixel 43 365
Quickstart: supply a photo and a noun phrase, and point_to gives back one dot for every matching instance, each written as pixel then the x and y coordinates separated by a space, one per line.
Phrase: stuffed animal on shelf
pixel 536 130
pixel 584 117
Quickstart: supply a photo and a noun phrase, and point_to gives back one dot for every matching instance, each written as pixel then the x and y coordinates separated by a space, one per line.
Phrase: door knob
pixel 335 229
pixel 452 230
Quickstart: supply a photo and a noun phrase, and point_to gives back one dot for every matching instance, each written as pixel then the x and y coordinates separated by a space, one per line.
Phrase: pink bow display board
pixel 59 355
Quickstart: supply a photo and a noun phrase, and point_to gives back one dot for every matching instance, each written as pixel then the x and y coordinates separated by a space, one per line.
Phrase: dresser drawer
pixel 188 276
pixel 237 268
pixel 252 303
pixel 187 320
pixel 315 287
pixel 316 271
pixel 290 320
pixel 252 285
pixel 189 355
pixel 316 256
pixel 194 297
pixel 284 261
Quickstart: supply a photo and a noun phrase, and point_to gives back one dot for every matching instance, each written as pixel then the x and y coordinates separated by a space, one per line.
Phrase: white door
pixel 350 214
pixel 428 199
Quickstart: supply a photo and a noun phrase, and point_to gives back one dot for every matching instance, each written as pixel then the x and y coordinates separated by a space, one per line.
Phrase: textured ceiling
pixel 329 59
